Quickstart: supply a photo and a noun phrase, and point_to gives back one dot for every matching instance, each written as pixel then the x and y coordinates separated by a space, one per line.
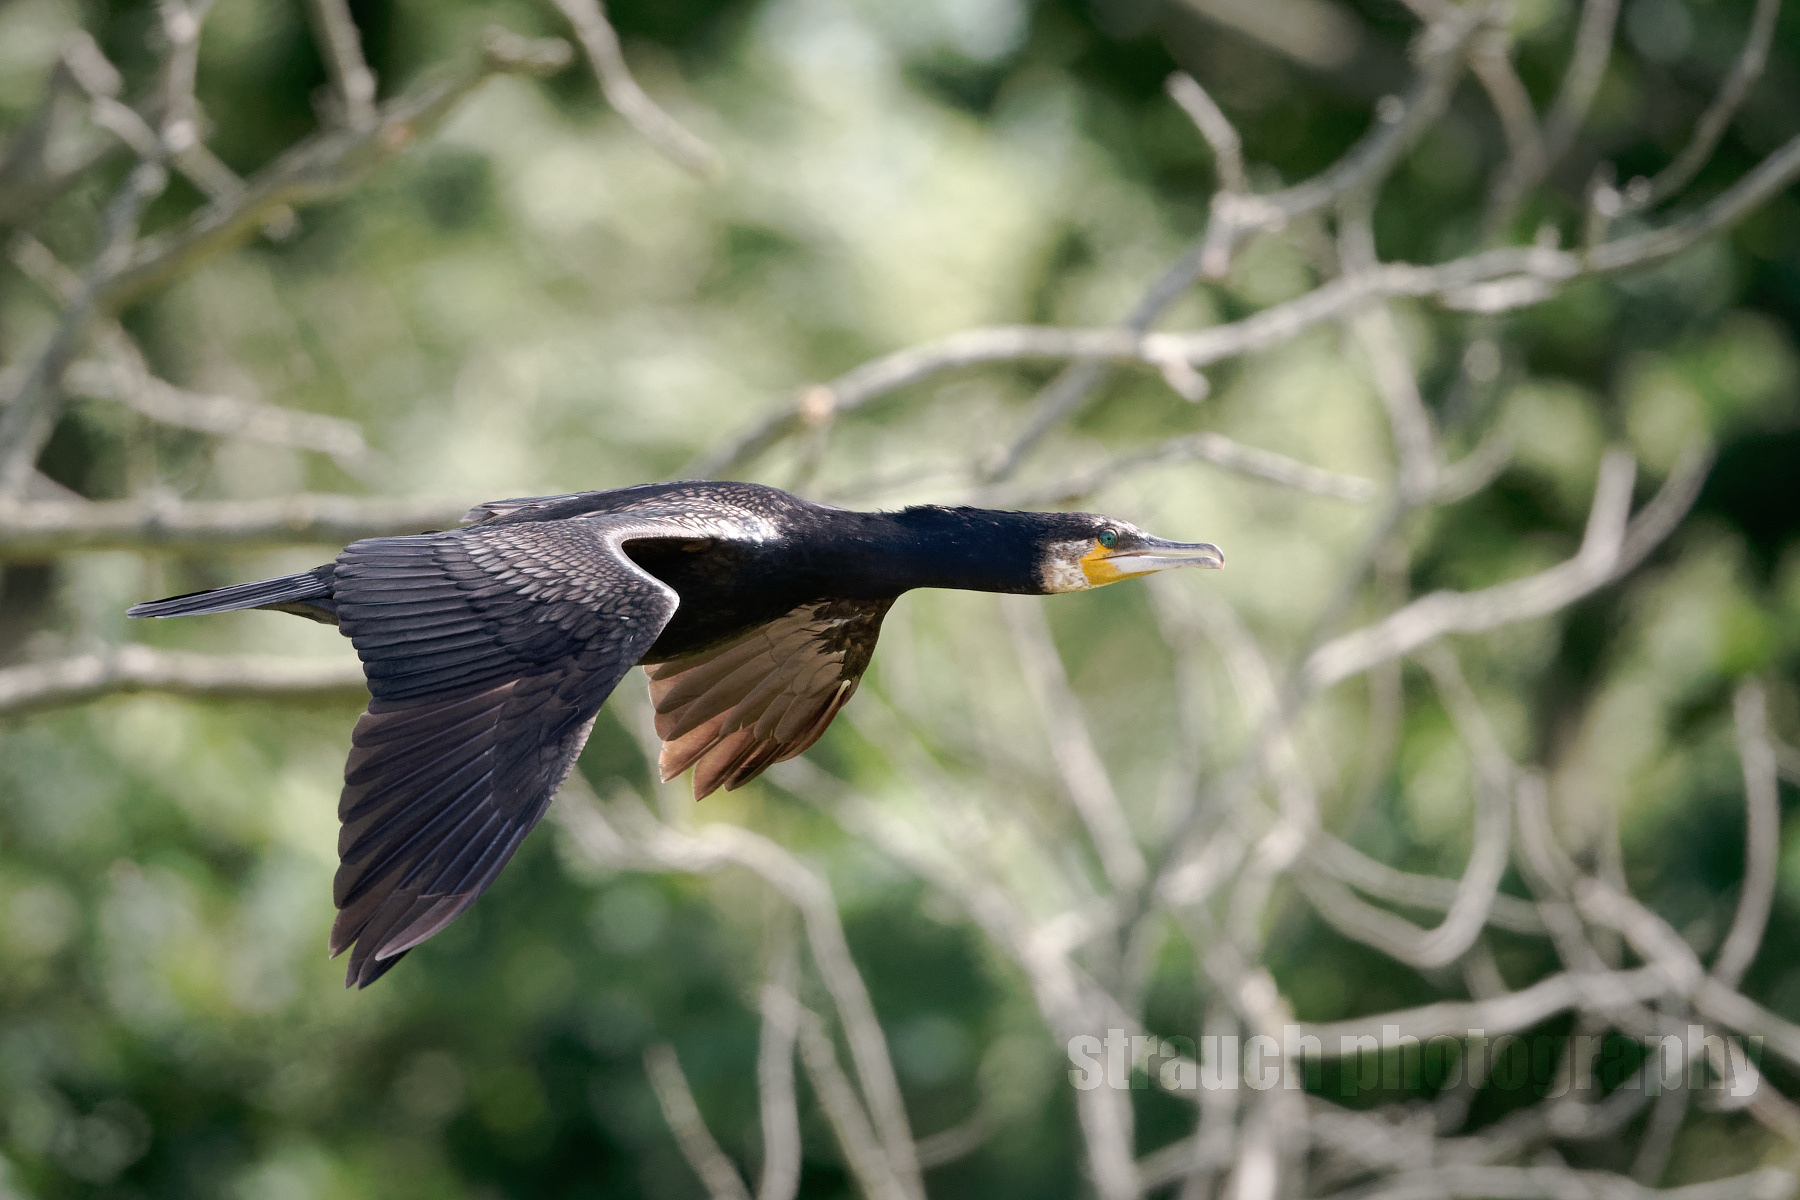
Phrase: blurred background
pixel 532 300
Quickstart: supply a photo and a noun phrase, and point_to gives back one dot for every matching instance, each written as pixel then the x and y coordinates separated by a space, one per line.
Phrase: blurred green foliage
pixel 534 302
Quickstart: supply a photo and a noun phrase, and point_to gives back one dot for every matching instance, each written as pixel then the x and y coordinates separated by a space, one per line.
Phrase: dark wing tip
pixel 380 928
pixel 366 969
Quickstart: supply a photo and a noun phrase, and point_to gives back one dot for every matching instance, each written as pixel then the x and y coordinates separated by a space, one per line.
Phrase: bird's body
pixel 490 648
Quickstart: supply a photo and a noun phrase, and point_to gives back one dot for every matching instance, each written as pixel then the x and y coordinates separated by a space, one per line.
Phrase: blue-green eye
pixel 1108 538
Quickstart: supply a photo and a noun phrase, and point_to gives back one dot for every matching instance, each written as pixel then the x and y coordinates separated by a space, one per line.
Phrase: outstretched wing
pixel 731 711
pixel 488 653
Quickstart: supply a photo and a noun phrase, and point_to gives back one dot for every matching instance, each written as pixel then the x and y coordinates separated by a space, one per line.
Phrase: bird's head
pixel 1086 550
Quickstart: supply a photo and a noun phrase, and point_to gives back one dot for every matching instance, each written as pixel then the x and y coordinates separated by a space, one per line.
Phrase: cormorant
pixel 489 649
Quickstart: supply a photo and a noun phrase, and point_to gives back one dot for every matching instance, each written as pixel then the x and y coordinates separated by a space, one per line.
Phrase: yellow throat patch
pixel 1097 566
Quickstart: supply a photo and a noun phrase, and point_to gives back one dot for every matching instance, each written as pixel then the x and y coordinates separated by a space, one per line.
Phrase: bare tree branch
pixel 1489 281
pixel 1561 1183
pixel 227 416
pixel 124 376
pixel 1397 126
pixel 1762 837
pixel 28 415
pixel 956 1142
pixel 716 1172
pixel 862 1153
pixel 176 112
pixel 775 1069
pixel 1661 946
pixel 1746 69
pixel 1581 80
pixel 629 100
pixel 1505 1014
pixel 1768 178
pixel 1357 869
pixel 1072 749
pixel 136 668
pixel 1068 1001
pixel 1215 127
pixel 1490 61
pixel 35 530
pixel 831 954
pixel 1064 394
pixel 325 165
pixel 126 268
pixel 1610 547
pixel 1409 423
pixel 1209 447
pixel 338 37
pixel 1472 903
pixel 32 173
pixel 1233 217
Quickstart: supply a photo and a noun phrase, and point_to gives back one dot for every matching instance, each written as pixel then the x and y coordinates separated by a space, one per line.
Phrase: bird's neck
pixel 977 550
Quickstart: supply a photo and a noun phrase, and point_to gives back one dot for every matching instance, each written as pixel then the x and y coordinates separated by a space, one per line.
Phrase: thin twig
pixel 1746 69
pixel 1076 382
pixel 1368 875
pixel 28 416
pixel 1489 59
pixel 630 101
pixel 957 1142
pixel 36 530
pixel 326 164
pixel 775 1068
pixel 1561 1183
pixel 1395 129
pixel 1768 178
pixel 1762 837
pixel 1610 547
pixel 1215 448
pixel 1473 900
pixel 862 1153
pixel 1072 749
pixel 124 375
pixel 37 165
pixel 1535 151
pixel 228 416
pixel 716 1172
pixel 1581 80
pixel 1215 127
pixel 1671 957
pixel 1409 424
pixel 831 954
pixel 1506 1014
pixel 133 668
pixel 338 37
pixel 1488 281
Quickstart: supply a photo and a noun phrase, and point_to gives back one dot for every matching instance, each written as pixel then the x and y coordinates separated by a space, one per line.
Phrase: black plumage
pixel 489 649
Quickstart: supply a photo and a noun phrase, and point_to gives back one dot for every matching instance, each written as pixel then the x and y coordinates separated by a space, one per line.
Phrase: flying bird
pixel 489 649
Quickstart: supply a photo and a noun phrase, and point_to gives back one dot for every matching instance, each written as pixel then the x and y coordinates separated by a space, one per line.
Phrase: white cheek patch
pixel 1062 571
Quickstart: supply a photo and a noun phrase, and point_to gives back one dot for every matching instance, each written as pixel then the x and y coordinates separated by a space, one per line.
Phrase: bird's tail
pixel 288 590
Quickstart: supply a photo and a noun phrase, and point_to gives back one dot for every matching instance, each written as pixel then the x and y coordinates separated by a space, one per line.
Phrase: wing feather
pixel 488 653
pixel 731 711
